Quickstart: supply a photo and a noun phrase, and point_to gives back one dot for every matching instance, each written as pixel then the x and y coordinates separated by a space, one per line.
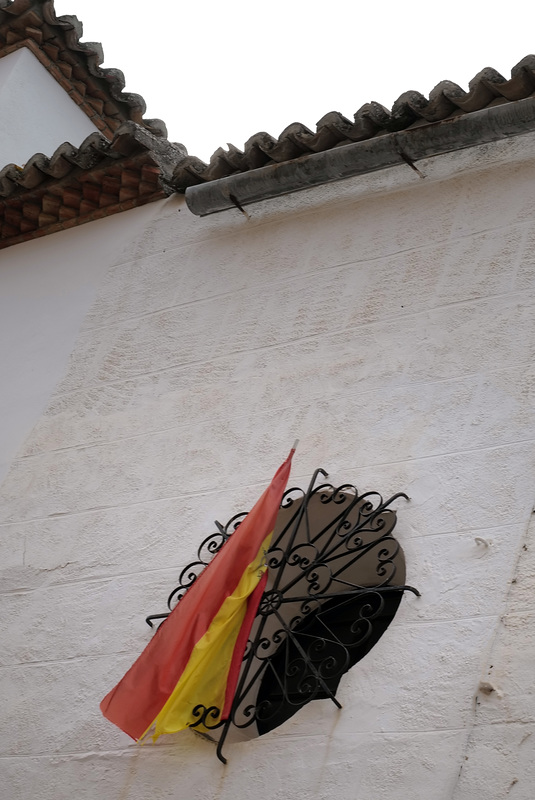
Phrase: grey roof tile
pixel 129 142
pixel 411 109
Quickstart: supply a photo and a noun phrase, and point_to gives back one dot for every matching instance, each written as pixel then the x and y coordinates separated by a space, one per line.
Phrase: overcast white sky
pixel 217 72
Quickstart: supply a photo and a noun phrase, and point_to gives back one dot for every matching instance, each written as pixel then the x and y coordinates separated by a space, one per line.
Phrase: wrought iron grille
pixel 336 576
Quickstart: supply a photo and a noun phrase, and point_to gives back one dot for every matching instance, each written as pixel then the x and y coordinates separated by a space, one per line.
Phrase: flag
pixel 195 656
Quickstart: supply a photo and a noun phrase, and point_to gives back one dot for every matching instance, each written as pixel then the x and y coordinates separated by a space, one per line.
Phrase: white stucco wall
pixel 388 323
pixel 36 113
pixel 47 287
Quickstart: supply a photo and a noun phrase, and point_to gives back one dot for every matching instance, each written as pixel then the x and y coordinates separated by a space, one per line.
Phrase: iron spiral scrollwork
pixel 336 576
pixel 208 549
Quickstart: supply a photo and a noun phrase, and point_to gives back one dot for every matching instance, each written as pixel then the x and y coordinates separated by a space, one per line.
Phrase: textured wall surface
pixel 388 323
pixel 46 288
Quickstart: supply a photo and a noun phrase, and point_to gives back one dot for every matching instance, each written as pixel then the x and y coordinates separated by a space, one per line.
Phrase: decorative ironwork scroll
pixel 336 576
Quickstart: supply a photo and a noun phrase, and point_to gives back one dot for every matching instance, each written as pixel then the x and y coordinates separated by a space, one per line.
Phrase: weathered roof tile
pixel 76 185
pixel 56 42
pixel 411 109
pixel 130 162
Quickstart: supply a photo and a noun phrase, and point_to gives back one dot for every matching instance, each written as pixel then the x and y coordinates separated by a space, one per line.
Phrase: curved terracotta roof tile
pixel 130 161
pixel 55 41
pixel 80 184
pixel 411 109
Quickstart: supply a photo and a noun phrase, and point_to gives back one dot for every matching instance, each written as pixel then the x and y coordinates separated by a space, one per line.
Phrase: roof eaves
pixel 447 101
pixel 490 124
pixel 77 185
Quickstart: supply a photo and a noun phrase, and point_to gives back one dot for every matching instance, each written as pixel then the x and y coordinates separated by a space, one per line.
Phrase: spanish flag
pixel 195 656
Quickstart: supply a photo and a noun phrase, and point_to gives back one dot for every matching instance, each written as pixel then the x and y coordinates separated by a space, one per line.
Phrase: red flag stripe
pixel 136 701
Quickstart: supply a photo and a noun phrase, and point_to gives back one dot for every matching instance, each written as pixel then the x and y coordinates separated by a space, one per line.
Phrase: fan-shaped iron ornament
pixel 336 576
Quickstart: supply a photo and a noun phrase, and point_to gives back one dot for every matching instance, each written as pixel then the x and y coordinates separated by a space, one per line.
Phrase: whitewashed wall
pixel 36 114
pixel 47 287
pixel 388 322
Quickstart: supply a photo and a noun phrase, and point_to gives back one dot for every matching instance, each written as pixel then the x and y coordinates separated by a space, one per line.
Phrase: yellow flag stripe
pixel 204 679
